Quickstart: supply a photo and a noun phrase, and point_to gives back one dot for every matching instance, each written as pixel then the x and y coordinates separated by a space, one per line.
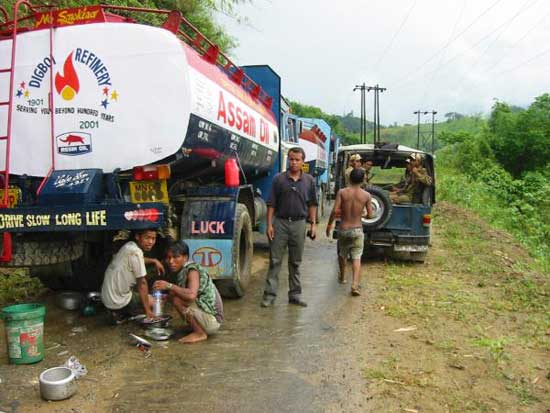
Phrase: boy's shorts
pixel 351 242
pixel 207 321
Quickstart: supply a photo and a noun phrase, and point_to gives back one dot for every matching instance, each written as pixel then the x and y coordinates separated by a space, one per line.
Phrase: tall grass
pixel 506 209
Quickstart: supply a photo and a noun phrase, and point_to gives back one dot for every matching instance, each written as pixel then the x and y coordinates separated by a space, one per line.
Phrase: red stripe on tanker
pixel 123 96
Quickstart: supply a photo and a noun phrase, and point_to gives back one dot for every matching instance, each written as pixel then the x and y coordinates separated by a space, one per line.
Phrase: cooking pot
pixel 57 383
pixel 70 300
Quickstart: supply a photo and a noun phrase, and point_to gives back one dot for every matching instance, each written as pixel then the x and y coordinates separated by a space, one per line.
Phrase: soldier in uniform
pixel 357 163
pixel 354 162
pixel 415 179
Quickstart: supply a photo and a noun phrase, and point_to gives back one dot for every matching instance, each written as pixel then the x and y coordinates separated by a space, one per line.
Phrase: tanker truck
pixel 109 126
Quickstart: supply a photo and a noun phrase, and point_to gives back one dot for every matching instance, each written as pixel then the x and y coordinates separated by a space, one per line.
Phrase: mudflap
pixel 218 231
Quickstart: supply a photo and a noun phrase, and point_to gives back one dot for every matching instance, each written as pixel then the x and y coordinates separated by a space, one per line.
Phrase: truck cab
pixel 399 229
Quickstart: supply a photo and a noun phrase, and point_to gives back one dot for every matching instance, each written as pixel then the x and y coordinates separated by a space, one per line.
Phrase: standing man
pixel 126 271
pixel 350 203
pixel 293 198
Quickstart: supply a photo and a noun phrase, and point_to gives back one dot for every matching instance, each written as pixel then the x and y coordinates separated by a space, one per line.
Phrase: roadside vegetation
pixel 198 12
pixel 503 173
pixel 476 318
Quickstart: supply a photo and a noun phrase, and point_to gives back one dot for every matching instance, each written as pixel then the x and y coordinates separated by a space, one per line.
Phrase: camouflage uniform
pixel 413 185
pixel 348 173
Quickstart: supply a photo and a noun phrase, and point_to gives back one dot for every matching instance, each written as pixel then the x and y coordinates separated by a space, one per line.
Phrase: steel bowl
pixel 159 333
pixel 70 300
pixel 57 383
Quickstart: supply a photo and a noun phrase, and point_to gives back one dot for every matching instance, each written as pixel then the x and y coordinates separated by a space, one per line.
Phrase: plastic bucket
pixel 24 325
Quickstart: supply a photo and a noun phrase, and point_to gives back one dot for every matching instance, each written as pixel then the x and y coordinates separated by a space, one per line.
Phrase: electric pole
pixel 418 134
pixel 376 115
pixel 376 127
pixel 363 122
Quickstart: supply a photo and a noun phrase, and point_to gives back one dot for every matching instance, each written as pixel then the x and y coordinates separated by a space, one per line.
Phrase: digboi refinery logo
pixel 67 82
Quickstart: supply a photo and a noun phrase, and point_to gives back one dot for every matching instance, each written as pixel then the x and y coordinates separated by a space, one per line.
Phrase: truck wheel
pixel 382 208
pixel 83 274
pixel 241 255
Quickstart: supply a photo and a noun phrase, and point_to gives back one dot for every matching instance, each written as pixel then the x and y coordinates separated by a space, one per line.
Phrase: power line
pixel 390 44
pixel 413 72
pixel 518 42
pixel 478 42
pixel 506 25
pixel 444 48
pixel 523 63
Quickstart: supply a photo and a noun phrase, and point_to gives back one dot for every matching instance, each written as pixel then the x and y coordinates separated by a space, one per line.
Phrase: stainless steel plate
pixel 159 334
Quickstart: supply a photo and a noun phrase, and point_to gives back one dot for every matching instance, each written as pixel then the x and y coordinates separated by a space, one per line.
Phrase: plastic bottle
pixel 157 303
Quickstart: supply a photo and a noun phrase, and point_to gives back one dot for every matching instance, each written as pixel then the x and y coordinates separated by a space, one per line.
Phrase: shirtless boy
pixel 349 204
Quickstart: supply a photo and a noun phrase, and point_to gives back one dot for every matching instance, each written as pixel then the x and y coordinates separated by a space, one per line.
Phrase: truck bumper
pixel 88 217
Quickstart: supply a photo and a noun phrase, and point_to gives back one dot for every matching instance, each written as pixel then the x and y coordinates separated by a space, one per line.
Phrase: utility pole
pixel 376 127
pixel 424 142
pixel 376 115
pixel 433 130
pixel 363 122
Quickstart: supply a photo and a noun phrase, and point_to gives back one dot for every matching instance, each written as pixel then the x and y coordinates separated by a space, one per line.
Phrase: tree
pixel 520 139
pixel 198 12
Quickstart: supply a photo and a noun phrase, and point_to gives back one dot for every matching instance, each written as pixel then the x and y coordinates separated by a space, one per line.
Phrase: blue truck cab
pixel 399 230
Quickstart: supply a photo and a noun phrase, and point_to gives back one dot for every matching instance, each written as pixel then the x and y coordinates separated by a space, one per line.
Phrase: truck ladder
pixel 6 253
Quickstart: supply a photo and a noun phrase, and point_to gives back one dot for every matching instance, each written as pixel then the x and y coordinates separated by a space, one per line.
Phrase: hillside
pixel 348 127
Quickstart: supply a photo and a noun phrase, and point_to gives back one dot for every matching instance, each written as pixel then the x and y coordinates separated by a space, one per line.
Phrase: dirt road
pixel 421 338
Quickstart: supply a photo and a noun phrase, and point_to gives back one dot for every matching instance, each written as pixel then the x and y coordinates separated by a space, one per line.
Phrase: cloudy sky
pixel 443 55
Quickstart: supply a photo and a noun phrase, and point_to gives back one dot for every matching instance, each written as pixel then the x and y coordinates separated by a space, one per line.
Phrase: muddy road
pixel 469 330
pixel 284 358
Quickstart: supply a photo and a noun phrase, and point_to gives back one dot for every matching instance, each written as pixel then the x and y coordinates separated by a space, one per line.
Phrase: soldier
pixel 415 179
pixel 357 163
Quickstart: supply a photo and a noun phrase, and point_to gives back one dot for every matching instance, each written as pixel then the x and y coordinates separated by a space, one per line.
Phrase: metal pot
pixel 70 300
pixel 57 383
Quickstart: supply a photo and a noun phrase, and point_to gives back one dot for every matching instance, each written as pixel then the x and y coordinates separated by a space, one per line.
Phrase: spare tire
pixel 382 208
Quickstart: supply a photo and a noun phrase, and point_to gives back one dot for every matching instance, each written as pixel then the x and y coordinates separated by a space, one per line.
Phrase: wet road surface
pixel 283 358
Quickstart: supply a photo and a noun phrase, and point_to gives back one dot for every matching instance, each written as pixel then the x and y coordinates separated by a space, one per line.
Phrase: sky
pixel 442 55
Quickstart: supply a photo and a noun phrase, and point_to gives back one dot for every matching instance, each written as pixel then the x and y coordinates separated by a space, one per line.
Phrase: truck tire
pixel 83 274
pixel 33 253
pixel 241 255
pixel 382 207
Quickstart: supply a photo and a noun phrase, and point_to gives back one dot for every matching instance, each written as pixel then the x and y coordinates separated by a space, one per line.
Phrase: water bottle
pixel 157 303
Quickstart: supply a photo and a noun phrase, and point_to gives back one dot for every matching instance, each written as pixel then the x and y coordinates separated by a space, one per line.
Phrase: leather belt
pixel 292 219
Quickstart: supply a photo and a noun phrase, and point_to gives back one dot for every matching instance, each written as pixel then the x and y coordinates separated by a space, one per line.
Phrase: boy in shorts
pixel 125 291
pixel 349 204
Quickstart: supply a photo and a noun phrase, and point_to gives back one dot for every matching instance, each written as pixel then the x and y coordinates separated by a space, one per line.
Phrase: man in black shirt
pixel 293 198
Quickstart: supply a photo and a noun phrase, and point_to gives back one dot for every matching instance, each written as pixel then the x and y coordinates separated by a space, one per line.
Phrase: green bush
pixel 16 285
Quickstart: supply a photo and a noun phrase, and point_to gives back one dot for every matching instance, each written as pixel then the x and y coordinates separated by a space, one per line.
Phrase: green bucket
pixel 24 324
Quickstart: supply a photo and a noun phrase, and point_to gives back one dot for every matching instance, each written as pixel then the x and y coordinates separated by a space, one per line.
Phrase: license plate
pixel 14 195
pixel 148 191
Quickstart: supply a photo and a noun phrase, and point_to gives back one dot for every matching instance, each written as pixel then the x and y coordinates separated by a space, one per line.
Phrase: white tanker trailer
pixel 112 125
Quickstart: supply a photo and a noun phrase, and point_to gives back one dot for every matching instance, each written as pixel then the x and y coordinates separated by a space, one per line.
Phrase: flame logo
pixel 67 85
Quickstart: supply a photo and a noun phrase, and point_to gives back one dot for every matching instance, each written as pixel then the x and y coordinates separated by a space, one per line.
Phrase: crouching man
pixel 194 294
pixel 124 291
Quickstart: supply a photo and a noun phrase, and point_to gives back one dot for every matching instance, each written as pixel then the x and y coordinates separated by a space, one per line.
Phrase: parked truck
pixel 114 126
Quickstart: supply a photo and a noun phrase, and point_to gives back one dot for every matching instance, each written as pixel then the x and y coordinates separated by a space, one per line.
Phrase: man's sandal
pixel 355 291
